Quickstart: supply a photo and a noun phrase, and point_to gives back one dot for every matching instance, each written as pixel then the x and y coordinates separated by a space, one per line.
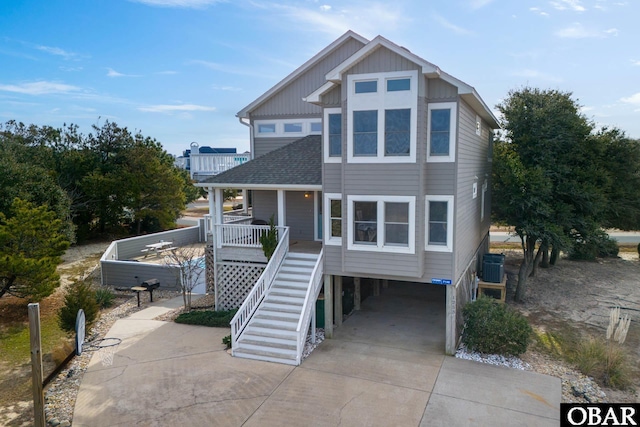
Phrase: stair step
pixel 293 277
pixel 289 285
pixel 281 308
pixel 284 353
pixel 270 333
pixel 282 343
pixel 302 255
pixel 281 299
pixel 299 263
pixel 274 324
pixel 296 269
pixel 264 358
pixel 276 315
pixel 288 292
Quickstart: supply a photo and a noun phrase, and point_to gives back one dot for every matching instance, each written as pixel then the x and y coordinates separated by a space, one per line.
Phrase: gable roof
pixel 296 165
pixel 300 70
pixel 466 92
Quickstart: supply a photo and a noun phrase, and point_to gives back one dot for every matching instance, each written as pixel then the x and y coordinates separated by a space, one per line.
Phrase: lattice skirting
pixel 235 281
pixel 210 270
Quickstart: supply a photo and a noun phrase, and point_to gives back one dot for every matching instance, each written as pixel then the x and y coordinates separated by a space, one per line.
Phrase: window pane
pixel 365 133
pixel 335 135
pixel 365 224
pixel 397 234
pixel 267 128
pixel 367 87
pixel 397 138
pixel 293 127
pixel 398 84
pixel 336 208
pixel 336 228
pixel 439 144
pixel 316 127
pixel 440 120
pixel 396 223
pixel 438 223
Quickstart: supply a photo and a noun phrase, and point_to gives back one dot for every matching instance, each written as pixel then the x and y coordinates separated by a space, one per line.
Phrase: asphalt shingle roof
pixel 297 163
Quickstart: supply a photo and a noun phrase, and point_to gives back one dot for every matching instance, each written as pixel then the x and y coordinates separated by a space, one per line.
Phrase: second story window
pixel 382 113
pixel 335 135
pixel 441 132
pixel 293 127
pixel 267 128
pixel 439 223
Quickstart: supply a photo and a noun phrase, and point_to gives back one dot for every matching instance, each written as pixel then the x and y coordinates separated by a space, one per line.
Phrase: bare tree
pixel 186 265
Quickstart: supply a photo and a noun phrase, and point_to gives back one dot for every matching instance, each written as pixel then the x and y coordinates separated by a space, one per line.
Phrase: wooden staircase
pixel 271 333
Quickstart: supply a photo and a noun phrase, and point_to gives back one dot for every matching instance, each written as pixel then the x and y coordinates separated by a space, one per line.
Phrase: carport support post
pixel 376 287
pixel 328 307
pixel 385 283
pixel 337 297
pixel 356 293
pixel 450 329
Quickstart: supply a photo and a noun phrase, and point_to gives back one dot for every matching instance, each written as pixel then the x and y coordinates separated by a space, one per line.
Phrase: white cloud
pixel 635 62
pixel 165 108
pixel 189 4
pixel 57 51
pixel 226 88
pixel 113 73
pixel 568 5
pixel 538 11
pixel 633 99
pixel 450 26
pixel 325 8
pixel 40 88
pixel 579 31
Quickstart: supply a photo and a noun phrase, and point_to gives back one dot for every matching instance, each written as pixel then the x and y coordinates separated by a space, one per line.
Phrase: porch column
pixel 337 297
pixel 281 208
pixel 245 201
pixel 385 283
pixel 212 209
pixel 450 328
pixel 356 293
pixel 219 206
pixel 328 307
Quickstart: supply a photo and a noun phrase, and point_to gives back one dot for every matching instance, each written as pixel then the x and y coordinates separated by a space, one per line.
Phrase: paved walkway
pixel 376 371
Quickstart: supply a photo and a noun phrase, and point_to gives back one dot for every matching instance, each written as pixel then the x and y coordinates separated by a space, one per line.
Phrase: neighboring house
pixel 381 158
pixel 203 162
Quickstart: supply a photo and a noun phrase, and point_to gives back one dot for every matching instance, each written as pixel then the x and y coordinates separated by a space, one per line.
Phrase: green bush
pixel 607 362
pixel 492 327
pixel 227 341
pixel 79 295
pixel 104 297
pixel 598 245
pixel 216 319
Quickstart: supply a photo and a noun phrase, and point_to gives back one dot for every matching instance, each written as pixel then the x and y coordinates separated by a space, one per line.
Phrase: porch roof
pixel 298 164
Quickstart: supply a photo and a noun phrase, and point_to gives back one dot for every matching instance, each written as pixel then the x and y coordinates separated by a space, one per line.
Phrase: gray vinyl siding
pixel 265 204
pixel 471 163
pixel 127 274
pixel 299 215
pixel 384 179
pixel 264 145
pixel 288 101
pixel 438 265
pixel 382 265
pixel 382 60
pixel 130 248
pixel 333 98
pixel 332 178
pixel 440 179
pixel 333 260
pixel 439 90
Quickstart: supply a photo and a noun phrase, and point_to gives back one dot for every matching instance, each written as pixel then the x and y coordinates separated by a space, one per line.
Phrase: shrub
pixel 216 319
pixel 597 245
pixel 104 297
pixel 607 362
pixel 269 239
pixel 79 295
pixel 492 327
pixel 227 341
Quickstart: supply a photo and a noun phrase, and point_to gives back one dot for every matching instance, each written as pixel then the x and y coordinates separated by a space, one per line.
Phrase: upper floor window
pixel 441 132
pixel 293 127
pixel 381 223
pixel 439 223
pixel 396 85
pixel 370 86
pixel 332 135
pixel 365 133
pixel 316 127
pixel 267 128
pixel 289 128
pixel 382 125
pixel 333 218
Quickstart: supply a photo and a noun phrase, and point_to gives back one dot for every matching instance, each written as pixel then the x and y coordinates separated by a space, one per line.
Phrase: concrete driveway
pixel 384 367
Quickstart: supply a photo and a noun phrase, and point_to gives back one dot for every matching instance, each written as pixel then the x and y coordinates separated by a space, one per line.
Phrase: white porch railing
pixel 228 219
pixel 207 164
pixel 315 282
pixel 261 288
pixel 243 236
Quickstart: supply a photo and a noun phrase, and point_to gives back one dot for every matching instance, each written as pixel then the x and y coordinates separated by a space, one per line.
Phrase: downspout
pixel 245 121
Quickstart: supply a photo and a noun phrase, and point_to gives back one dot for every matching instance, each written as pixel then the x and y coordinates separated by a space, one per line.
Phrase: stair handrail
pixel 315 282
pixel 260 289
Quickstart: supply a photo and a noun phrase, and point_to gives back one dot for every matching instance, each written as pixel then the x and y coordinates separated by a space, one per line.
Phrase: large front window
pixel 382 117
pixel 439 223
pixel 381 223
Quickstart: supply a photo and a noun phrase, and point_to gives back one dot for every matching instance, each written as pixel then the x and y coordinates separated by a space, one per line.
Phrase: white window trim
pixel 326 233
pixel 439 248
pixel 325 135
pixel 280 133
pixel 453 106
pixel 478 125
pixel 380 246
pixel 381 101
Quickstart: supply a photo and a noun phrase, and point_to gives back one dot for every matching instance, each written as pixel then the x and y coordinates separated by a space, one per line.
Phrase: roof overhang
pixel 315 97
pixel 292 187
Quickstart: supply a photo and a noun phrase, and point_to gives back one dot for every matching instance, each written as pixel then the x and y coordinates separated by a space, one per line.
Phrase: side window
pixel 335 135
pixel 439 223
pixel 336 218
pixel 365 222
pixel 396 224
pixel 441 132
pixel 397 132
pixel 365 133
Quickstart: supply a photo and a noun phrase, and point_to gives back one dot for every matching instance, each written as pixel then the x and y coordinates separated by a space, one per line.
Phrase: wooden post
pixel 385 283
pixel 36 365
pixel 357 295
pixel 328 307
pixel 337 297
pixel 376 287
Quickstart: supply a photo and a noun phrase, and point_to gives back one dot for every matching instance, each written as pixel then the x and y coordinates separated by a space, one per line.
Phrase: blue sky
pixel 179 70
